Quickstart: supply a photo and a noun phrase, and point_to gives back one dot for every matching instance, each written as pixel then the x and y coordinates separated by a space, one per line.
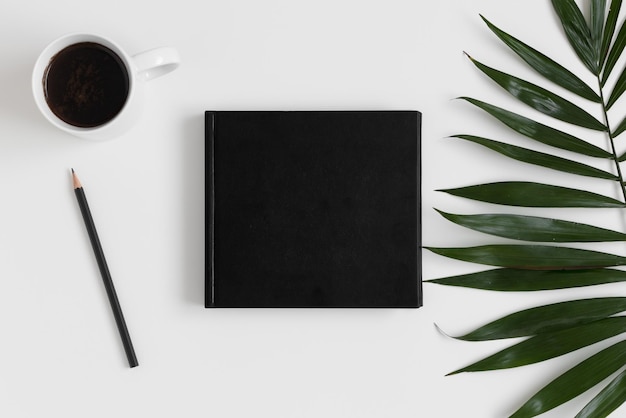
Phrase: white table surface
pixel 60 354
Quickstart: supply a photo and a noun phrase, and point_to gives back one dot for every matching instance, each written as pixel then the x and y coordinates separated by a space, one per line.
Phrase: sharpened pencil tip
pixel 75 180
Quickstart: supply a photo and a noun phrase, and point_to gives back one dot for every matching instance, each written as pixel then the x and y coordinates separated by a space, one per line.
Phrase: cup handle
pixel 156 62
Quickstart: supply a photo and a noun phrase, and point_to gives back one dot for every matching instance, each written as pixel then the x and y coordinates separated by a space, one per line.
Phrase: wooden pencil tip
pixel 75 180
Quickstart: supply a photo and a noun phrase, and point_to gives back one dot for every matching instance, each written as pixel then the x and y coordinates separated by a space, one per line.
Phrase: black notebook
pixel 313 209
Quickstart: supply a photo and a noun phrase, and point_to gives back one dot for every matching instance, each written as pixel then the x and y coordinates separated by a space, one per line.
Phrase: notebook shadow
pixel 193 223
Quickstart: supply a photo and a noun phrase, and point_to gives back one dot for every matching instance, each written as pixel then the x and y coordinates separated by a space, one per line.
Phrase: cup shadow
pixel 19 114
pixel 16 101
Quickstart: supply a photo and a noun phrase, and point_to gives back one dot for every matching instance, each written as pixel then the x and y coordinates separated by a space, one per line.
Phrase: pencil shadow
pixel 193 223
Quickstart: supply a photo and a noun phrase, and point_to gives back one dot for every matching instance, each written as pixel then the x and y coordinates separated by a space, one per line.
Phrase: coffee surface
pixel 86 84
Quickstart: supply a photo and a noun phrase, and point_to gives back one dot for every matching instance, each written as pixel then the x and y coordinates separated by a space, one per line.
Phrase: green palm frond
pixel 540 260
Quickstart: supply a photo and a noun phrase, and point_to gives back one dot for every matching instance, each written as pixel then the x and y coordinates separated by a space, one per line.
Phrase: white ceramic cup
pixel 141 68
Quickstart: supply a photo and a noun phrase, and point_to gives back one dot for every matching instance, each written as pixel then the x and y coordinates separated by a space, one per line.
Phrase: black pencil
pixel 104 271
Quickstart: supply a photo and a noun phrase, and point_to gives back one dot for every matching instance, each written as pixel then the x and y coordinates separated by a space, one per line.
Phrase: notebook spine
pixel 209 299
pixel 420 291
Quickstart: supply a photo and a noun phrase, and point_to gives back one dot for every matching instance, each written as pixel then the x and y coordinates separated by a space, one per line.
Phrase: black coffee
pixel 86 84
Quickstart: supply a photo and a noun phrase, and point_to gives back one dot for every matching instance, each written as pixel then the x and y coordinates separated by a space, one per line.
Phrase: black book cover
pixel 313 209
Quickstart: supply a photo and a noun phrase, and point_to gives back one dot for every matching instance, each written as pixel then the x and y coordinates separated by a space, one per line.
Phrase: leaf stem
pixel 612 141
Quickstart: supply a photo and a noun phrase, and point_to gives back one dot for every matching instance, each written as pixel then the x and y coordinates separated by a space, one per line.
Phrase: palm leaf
pixel 541 99
pixel 548 318
pixel 516 280
pixel 618 90
pixel 609 29
pixel 577 32
pixel 545 65
pixel 532 257
pixel 608 400
pixel 539 132
pixel 547 346
pixel 598 10
pixel 615 53
pixel 529 194
pixel 620 128
pixel 533 228
pixel 555 329
pixel 540 158
pixel 575 381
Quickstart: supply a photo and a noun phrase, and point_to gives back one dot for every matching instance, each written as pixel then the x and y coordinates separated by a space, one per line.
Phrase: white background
pixel 60 354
